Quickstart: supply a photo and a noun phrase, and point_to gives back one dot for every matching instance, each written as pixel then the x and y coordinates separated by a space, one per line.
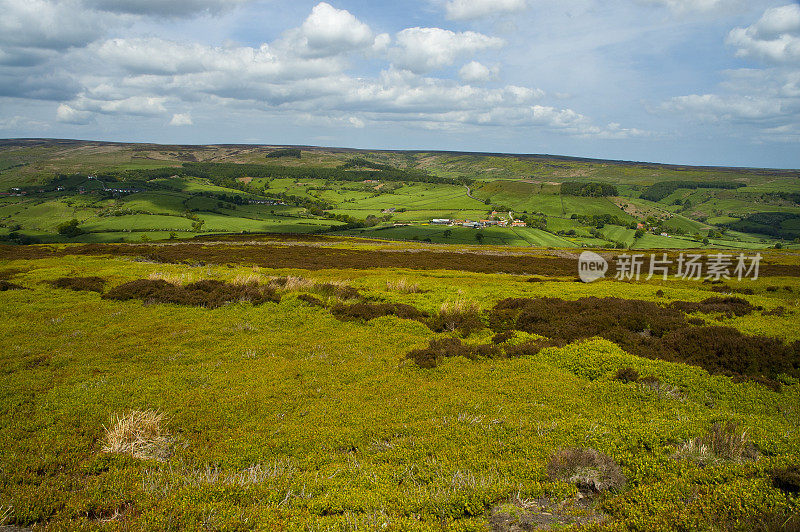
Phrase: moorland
pixel 290 359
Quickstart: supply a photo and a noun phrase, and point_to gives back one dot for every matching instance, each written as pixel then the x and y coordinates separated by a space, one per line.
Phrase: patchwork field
pixel 319 383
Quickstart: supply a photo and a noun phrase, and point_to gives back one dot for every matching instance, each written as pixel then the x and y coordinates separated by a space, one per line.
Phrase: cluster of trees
pixel 661 190
pixel 601 220
pixel 284 152
pixel 591 190
pixel 778 224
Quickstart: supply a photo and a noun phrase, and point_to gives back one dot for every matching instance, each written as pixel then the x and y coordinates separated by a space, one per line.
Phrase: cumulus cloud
pixel 181 119
pixel 421 50
pixel 329 31
pixel 472 9
pixel 477 72
pixel 775 37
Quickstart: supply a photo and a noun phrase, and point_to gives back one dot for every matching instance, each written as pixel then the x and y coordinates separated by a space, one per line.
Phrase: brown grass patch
pixel 139 434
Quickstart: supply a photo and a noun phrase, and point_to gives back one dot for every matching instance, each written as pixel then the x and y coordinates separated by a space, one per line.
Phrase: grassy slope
pixel 349 434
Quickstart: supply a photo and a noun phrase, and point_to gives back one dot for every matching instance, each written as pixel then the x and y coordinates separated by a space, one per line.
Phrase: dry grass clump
pixel 459 315
pixel 7 285
pixel 80 284
pixel 588 469
pixel 404 286
pixel 723 442
pixel 337 289
pixel 140 435
pixel 291 283
pixel 208 293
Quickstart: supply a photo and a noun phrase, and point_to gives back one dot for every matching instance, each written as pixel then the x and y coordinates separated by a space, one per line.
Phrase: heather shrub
pixel 311 300
pixel 787 479
pixel 8 285
pixel 88 284
pixel 730 306
pixel 370 311
pixel 437 350
pixel 208 293
pixel 502 337
pixel 627 375
pixel 588 469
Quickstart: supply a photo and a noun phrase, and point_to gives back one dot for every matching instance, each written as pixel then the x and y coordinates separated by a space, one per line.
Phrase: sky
pixel 708 82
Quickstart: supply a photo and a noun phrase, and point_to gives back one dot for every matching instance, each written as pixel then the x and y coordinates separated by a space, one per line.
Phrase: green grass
pixel 349 434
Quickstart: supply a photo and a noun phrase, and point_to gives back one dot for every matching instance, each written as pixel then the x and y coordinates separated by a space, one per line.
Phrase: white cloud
pixel 181 119
pixel 422 50
pixel 69 115
pixel 328 32
pixel 730 107
pixel 477 72
pixel 775 37
pixel 686 6
pixel 356 122
pixel 471 9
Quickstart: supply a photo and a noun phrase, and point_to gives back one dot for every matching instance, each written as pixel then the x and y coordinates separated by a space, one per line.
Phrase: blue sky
pixel 682 81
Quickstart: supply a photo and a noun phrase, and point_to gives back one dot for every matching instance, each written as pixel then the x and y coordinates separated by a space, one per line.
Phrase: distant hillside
pixel 111 191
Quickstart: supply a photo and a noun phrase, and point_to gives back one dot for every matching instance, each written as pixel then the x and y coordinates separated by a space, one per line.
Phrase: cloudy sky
pixel 683 81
